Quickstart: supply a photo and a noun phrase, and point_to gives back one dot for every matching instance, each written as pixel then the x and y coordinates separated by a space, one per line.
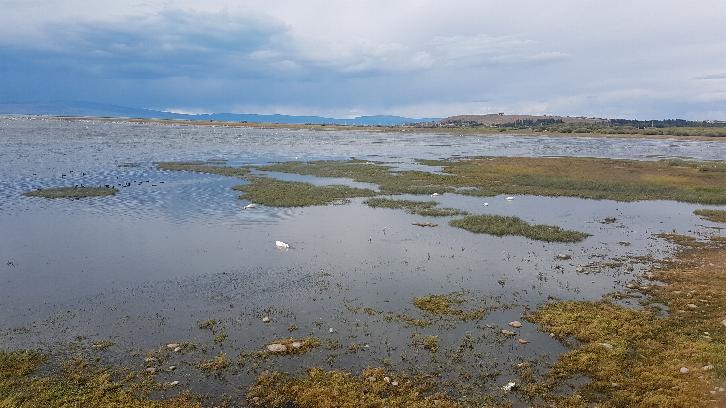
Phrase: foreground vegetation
pixel 78 385
pixel 501 226
pixel 204 167
pixel 639 357
pixel 72 192
pixel 621 180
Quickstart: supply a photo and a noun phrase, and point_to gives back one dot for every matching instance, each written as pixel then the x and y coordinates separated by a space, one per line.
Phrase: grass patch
pixel 445 305
pixel 293 346
pixel 635 358
pixel 216 365
pixel 72 192
pixel 621 180
pixel 425 208
pixel 430 343
pixel 374 387
pixel 277 193
pixel 78 385
pixel 501 226
pixel 204 167
pixel 712 215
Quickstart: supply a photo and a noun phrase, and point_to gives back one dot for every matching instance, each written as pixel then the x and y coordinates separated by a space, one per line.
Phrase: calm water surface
pixel 173 248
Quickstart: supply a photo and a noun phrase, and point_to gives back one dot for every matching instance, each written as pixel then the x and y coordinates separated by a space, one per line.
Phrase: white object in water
pixel 250 206
pixel 435 195
pixel 281 245
pixel 510 198
pixel 508 386
pixel 486 204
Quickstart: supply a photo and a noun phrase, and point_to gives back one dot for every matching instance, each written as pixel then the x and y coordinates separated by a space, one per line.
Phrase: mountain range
pixel 82 109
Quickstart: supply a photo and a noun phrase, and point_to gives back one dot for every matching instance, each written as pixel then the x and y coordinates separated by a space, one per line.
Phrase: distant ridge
pixel 79 109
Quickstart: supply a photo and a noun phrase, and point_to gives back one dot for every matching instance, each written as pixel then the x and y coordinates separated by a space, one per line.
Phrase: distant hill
pixel 64 108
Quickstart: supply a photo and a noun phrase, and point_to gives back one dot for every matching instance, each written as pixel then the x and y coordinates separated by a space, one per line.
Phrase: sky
pixel 640 59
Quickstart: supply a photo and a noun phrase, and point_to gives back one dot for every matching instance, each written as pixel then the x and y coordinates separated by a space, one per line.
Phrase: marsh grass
pixel 424 208
pixel 447 305
pixel 712 215
pixel 215 366
pixel 320 389
pixel 501 226
pixel 78 385
pixel 72 192
pixel 621 180
pixel 204 167
pixel 278 193
pixel 633 357
pixel 306 345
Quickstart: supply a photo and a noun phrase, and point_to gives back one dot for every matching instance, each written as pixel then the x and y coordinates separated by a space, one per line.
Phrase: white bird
pixel 250 206
pixel 486 204
pixel 435 195
pixel 510 198
pixel 281 245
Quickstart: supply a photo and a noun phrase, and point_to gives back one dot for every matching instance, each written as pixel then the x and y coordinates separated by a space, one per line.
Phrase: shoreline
pixel 449 131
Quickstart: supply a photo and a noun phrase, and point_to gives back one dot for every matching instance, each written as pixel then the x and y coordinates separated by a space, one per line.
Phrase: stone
pixel 172 368
pixel 516 324
pixel 508 332
pixel 174 383
pixel 276 348
pixel 296 344
pixel 178 350
pixel 387 380
pixel 684 370
pixel 564 257
pixel 508 386
pixel 172 345
pixel 707 367
pixel 606 345
pixel 266 319
pixel 394 383
pixel 151 370
pixel 522 341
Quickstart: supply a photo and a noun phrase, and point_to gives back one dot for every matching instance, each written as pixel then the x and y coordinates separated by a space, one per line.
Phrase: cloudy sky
pixel 635 58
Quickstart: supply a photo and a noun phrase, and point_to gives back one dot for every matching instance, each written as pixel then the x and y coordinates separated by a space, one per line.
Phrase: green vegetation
pixel 208 324
pixel 637 358
pixel 79 385
pixel 204 167
pixel 501 226
pixel 622 180
pixel 102 344
pixel 72 192
pixel 443 305
pixel 277 193
pixel 430 343
pixel 712 215
pixel 216 365
pixel 425 208
pixel 323 389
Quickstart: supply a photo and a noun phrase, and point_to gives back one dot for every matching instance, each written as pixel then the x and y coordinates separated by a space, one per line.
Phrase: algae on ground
pixel 216 365
pixel 425 208
pixel 374 387
pixel 712 215
pixel 639 358
pixel 278 193
pixel 501 226
pixel 72 192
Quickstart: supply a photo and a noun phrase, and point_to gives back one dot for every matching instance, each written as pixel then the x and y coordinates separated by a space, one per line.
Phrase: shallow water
pixel 173 248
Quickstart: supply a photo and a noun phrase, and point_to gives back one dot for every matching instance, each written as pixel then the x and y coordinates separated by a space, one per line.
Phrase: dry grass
pixel 72 192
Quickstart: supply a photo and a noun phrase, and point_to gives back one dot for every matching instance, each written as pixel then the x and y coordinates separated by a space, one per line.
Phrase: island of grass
pixel 72 192
pixel 501 226
pixel 204 167
pixel 278 193
pixel 712 215
pixel 445 305
pixel 621 180
pixel 425 208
